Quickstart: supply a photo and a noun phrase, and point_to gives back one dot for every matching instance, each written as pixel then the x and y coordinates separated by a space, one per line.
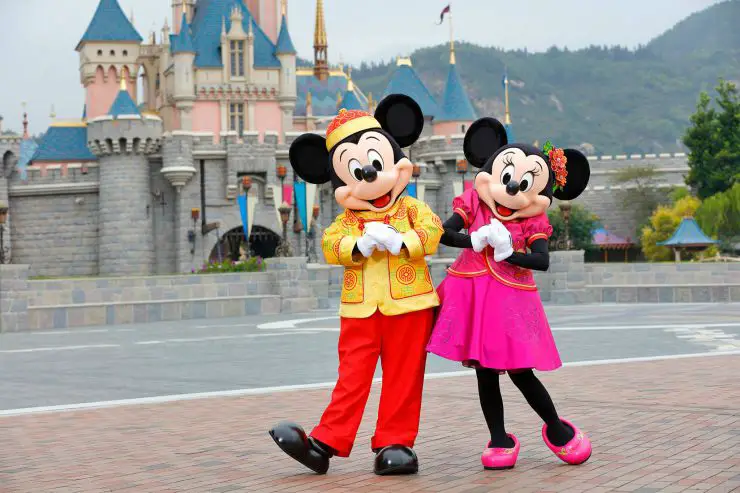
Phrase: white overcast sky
pixel 40 66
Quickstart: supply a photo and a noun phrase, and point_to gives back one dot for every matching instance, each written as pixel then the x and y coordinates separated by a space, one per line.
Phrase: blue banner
pixel 411 190
pixel 300 198
pixel 242 201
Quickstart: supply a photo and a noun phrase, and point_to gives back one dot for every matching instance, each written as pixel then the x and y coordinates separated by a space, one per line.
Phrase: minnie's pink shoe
pixel 576 451
pixel 500 458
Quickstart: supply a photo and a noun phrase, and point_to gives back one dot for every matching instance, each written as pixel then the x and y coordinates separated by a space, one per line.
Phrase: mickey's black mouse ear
pixel 579 173
pixel 401 117
pixel 310 159
pixel 484 137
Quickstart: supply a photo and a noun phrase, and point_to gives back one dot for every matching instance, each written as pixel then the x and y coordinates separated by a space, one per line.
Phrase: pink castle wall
pixel 207 117
pixel 450 128
pixel 267 117
pixel 101 92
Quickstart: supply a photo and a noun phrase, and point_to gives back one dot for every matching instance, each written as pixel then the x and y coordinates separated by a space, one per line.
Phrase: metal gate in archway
pixel 262 243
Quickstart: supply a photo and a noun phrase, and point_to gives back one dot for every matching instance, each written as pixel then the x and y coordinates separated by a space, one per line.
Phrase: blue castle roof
pixel 110 24
pixel 284 43
pixel 28 149
pixel 350 101
pixel 206 27
pixel 123 105
pixel 64 143
pixel 406 81
pixel 182 42
pixel 455 103
pixel 324 94
pixel 688 234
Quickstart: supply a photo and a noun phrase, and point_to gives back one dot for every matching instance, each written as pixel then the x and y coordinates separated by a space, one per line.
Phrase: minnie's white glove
pixel 479 237
pixel 366 244
pixel 500 239
pixel 385 236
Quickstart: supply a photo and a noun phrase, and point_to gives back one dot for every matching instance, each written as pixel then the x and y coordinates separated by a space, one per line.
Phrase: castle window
pixel 462 128
pixel 112 53
pixel 236 117
pixel 237 58
pixel 125 53
pixel 100 52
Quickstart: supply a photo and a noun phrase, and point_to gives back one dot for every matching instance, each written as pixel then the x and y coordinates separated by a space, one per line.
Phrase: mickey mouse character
pixel 491 317
pixel 388 298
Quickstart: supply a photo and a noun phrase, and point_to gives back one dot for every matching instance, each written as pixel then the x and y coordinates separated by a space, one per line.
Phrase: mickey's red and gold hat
pixel 346 123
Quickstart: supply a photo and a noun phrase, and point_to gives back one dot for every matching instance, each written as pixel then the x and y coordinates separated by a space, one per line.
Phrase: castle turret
pixel 286 53
pixel 109 51
pixel 350 101
pixel 123 140
pixel 183 53
pixel 405 80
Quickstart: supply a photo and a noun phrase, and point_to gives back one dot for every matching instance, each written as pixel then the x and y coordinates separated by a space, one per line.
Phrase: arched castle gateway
pixel 114 192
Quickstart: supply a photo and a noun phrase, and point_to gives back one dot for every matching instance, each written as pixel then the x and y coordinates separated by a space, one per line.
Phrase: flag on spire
pixel 446 10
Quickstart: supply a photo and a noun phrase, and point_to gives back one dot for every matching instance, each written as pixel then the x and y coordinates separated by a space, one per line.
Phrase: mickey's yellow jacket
pixel 393 284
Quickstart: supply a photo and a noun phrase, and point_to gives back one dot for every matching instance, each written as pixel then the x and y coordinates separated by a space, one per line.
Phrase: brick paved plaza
pixel 668 426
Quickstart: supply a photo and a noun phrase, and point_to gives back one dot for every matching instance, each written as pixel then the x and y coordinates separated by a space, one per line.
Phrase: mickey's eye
pixel 507 174
pixel 375 159
pixel 355 169
pixel 527 181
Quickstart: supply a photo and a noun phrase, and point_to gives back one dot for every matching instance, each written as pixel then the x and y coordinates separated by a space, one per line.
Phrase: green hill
pixel 617 100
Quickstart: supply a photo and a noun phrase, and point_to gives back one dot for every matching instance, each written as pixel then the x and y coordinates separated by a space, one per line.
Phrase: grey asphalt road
pixel 134 361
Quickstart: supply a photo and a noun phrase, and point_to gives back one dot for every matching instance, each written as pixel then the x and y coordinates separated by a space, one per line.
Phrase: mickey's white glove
pixel 366 244
pixel 479 237
pixel 500 239
pixel 386 237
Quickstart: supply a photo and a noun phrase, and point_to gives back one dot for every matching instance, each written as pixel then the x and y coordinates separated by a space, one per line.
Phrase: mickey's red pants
pixel 400 342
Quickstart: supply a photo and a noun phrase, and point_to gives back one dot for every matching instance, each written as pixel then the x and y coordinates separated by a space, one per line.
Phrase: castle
pixel 148 183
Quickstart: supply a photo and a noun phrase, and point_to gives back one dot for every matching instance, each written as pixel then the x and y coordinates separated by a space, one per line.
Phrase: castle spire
pixel 350 84
pixel 283 8
pixel 52 113
pixel 320 45
pixel 507 116
pixel 25 123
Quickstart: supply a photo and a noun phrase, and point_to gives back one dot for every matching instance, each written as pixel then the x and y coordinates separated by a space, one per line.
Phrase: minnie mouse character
pixel 491 317
pixel 388 298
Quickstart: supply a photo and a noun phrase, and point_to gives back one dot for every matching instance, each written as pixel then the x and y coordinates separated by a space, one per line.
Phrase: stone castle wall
pixel 54 220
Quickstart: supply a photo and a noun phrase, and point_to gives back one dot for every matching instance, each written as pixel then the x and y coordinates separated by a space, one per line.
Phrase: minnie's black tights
pixel 492 404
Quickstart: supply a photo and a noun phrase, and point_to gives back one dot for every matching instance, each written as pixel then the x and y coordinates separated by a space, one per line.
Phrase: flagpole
pixel 452 38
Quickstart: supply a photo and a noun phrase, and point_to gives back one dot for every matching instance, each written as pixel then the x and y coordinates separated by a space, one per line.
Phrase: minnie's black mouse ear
pixel 579 173
pixel 484 137
pixel 401 117
pixel 310 159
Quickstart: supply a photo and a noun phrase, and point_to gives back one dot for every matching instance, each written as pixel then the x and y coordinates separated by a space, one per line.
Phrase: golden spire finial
pixel 403 60
pixel 184 7
pixel 370 102
pixel 283 8
pixel 452 39
pixel 350 85
pixel 319 36
pixel 53 113
pixel 123 82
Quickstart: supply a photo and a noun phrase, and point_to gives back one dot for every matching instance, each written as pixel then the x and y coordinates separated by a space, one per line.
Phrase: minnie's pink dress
pixel 491 314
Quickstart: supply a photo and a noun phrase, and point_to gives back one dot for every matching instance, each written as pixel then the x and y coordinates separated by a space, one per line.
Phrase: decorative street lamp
pixel 565 208
pixel 416 173
pixel 282 172
pixel 194 215
pixel 311 234
pixel 284 249
pixel 3 218
pixel 462 168
pixel 246 185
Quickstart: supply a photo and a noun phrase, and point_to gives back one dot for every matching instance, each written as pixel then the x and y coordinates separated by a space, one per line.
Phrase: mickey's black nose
pixel 369 173
pixel 512 188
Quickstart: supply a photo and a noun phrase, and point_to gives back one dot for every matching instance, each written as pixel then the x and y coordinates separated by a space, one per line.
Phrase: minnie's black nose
pixel 369 173
pixel 512 188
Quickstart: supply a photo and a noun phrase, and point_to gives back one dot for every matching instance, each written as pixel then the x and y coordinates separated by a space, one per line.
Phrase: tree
pixel 582 224
pixel 663 224
pixel 714 142
pixel 639 194
pixel 719 216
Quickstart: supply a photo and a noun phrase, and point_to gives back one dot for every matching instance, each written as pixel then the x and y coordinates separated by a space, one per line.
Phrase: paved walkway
pixel 669 426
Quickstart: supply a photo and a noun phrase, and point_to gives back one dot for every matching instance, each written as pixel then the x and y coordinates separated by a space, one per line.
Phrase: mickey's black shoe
pixel 291 438
pixel 396 459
